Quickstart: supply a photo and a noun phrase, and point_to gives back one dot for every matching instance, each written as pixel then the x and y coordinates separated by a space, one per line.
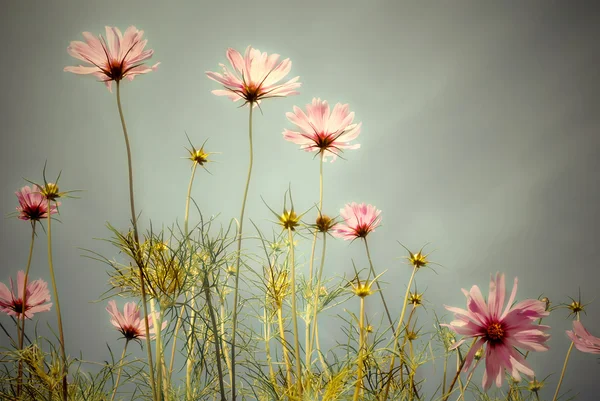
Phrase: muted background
pixel 480 135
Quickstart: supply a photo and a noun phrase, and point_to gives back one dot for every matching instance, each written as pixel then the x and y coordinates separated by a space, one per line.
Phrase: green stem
pixel 463 388
pixel 316 302
pixel 174 347
pixel 61 335
pixel 398 330
pixel 310 338
pixel 294 316
pixel 216 336
pixel 359 363
pixel 157 323
pixel 190 347
pixel 562 374
pixel 460 367
pixel 189 360
pixel 120 371
pixel 24 307
pixel 284 345
pixel 387 312
pixel 137 242
pixel 239 257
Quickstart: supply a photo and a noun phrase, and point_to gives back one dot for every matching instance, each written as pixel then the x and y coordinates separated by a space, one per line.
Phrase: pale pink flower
pixel 114 58
pixel 36 300
pixel 322 131
pixel 359 220
pixel 33 205
pixel 255 76
pixel 501 331
pixel 583 340
pixel 130 323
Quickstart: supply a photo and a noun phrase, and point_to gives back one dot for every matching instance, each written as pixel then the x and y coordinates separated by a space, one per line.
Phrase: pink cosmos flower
pixel 321 131
pixel 33 205
pixel 359 220
pixel 501 331
pixel 254 77
pixel 37 298
pixel 583 340
pixel 130 323
pixel 114 58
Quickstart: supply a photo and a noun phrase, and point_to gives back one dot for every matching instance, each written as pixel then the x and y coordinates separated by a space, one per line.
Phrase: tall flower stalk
pixel 564 368
pixel 112 397
pixel 114 58
pixel 21 331
pixel 239 255
pixel 137 242
pixel 294 313
pixel 61 335
pixel 398 331
pixel 256 76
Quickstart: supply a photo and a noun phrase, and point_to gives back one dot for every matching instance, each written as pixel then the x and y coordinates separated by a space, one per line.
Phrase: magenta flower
pixel 33 205
pixel 583 340
pixel 130 323
pixel 321 131
pixel 254 77
pixel 359 220
pixel 37 298
pixel 114 58
pixel 501 331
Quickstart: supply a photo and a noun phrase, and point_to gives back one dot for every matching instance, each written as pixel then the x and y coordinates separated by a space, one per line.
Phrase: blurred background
pixel 480 136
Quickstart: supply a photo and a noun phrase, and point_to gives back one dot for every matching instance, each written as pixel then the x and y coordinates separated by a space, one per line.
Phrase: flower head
pixel 112 58
pixel 37 298
pixel 130 323
pixel 255 76
pixel 500 331
pixel 324 223
pixel 415 298
pixel 321 131
pixel 33 205
pixel 583 340
pixel 359 220
pixel 289 219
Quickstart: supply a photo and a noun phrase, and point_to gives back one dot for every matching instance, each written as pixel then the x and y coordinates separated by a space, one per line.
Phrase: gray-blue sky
pixel 480 135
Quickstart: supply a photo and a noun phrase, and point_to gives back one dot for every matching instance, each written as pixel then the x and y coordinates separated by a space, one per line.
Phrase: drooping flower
pixel 500 331
pixel 130 323
pixel 359 220
pixel 583 340
pixel 321 131
pixel 37 298
pixel 255 76
pixel 112 58
pixel 33 205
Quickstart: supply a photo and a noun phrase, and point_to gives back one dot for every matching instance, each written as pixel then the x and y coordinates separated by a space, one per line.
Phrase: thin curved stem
pixel 286 357
pixel 217 338
pixel 21 332
pixel 562 374
pixel 174 347
pixel 61 335
pixel 137 242
pixel 464 387
pixel 239 257
pixel 361 340
pixel 316 302
pixel 120 371
pixel 310 338
pixel 294 314
pixel 460 367
pixel 398 330
pixel 387 312
pixel 190 359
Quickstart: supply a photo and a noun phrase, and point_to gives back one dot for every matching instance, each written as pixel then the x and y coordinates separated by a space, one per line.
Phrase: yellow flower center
pixel 495 332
